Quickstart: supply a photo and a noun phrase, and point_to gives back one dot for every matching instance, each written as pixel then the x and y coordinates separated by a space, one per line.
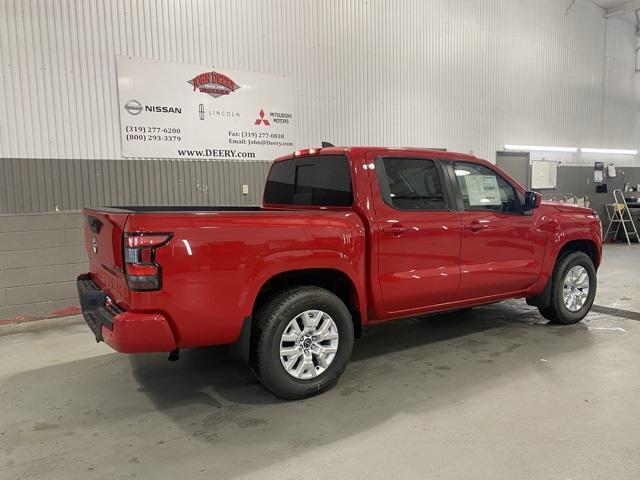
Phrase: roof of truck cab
pixel 435 153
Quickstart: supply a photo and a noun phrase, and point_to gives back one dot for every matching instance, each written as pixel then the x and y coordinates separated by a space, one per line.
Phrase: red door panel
pixel 500 253
pixel 418 236
pixel 502 249
pixel 418 265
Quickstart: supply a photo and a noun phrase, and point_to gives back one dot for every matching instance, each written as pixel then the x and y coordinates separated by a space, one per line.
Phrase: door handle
pixel 476 226
pixel 395 230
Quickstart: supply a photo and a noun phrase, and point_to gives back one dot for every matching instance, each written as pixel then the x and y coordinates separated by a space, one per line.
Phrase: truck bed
pixel 217 259
pixel 182 208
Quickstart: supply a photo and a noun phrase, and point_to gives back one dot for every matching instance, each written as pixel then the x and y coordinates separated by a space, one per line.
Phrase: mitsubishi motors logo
pixel 262 119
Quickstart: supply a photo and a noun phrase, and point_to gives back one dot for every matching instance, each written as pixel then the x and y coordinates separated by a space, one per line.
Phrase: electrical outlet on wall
pixel 245 189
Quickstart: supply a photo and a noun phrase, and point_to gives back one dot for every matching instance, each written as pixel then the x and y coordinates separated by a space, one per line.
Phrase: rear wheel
pixel 305 342
pixel 573 289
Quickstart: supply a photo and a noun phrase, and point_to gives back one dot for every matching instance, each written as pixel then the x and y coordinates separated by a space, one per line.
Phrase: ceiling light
pixel 619 151
pixel 536 148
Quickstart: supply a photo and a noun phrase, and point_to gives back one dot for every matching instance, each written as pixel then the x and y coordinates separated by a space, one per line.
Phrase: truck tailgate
pixel 103 236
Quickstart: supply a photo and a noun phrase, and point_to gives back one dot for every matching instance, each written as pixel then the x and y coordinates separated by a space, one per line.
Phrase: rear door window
pixel 322 180
pixel 410 184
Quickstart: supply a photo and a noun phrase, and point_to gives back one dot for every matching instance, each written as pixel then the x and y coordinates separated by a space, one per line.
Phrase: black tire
pixel 557 311
pixel 273 320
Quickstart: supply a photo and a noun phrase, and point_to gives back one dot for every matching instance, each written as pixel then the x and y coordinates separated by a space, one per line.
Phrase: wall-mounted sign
pixel 544 174
pixel 598 172
pixel 177 110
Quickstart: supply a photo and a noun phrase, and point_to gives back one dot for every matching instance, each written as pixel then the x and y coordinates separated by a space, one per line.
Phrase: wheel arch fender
pixel 563 246
pixel 327 269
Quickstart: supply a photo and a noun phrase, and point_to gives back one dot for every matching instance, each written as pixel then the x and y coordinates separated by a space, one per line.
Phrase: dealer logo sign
pixel 134 107
pixel 261 119
pixel 213 83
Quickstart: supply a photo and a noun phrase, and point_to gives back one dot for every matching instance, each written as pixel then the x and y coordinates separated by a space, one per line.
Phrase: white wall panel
pixel 461 74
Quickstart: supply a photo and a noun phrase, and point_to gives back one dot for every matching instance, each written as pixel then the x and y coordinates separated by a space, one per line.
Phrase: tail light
pixel 141 269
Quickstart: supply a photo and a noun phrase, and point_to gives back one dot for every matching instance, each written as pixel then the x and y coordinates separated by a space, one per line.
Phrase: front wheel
pixel 305 342
pixel 573 289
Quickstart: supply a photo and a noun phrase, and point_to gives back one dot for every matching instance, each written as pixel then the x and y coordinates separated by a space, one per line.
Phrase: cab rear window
pixel 322 180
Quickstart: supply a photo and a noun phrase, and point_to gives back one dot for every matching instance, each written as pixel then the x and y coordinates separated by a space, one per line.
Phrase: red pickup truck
pixel 346 237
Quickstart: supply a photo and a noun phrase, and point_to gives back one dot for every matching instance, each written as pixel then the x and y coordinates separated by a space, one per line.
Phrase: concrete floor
pixel 493 393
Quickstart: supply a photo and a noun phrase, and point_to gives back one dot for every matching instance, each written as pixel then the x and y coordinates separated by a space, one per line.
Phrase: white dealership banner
pixel 177 110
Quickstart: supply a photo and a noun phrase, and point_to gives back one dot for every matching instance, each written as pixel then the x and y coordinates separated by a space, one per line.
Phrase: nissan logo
pixel 134 107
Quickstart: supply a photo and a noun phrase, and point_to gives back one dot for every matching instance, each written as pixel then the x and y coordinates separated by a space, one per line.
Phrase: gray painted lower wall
pixel 41 251
pixel 48 185
pixel 579 181
pixel 40 257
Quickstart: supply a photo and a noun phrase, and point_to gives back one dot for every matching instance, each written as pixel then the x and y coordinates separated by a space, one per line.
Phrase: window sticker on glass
pixel 482 190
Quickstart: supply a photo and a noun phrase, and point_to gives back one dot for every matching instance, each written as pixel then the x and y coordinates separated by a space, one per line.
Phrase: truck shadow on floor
pixel 211 403
pixel 403 366
pixel 433 344
pixel 410 341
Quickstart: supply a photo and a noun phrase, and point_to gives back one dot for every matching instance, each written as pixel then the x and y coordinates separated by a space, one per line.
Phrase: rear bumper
pixel 124 331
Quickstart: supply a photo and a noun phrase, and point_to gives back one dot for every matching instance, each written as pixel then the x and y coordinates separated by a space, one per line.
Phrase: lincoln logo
pixel 134 107
pixel 214 84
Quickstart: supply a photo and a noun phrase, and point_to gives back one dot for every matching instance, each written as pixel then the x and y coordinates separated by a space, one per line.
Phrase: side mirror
pixel 531 200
